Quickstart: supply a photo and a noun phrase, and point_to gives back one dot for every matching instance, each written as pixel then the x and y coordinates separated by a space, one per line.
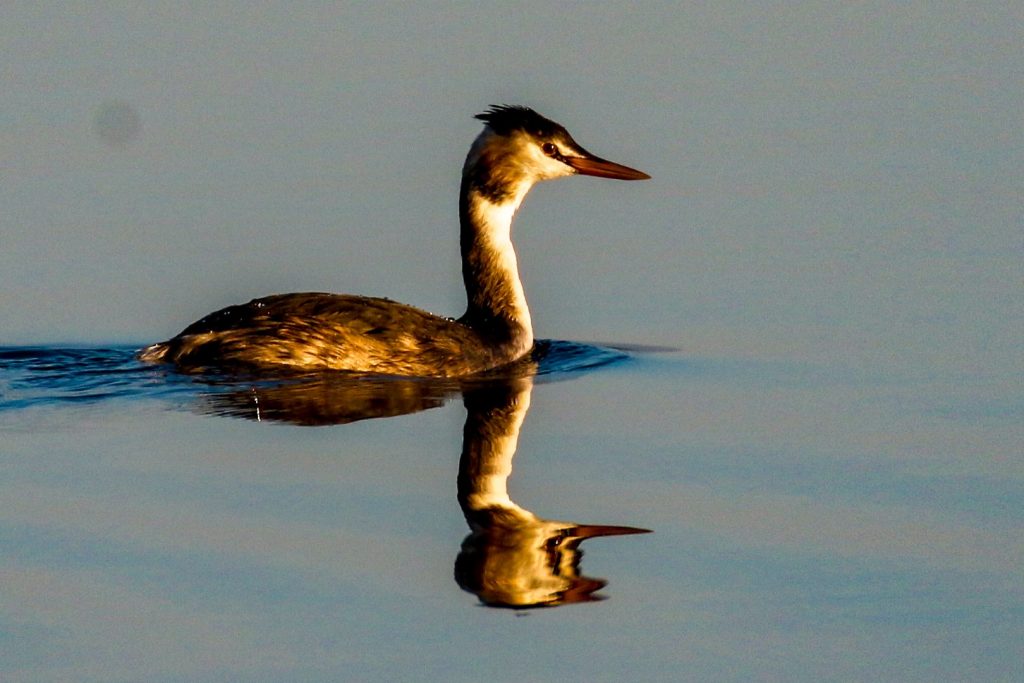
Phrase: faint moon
pixel 117 123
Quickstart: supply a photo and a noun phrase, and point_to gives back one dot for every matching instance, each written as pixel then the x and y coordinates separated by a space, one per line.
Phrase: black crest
pixel 506 118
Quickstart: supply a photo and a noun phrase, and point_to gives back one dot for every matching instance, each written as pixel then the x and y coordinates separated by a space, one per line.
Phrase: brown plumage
pixel 335 331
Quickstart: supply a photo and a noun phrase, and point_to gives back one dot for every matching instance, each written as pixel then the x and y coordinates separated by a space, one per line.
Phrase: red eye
pixel 549 149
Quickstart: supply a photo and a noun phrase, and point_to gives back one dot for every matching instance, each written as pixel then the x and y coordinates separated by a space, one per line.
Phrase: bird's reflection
pixel 511 558
pixel 330 399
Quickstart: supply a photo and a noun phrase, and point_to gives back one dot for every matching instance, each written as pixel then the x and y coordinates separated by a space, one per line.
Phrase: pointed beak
pixel 595 166
pixel 582 531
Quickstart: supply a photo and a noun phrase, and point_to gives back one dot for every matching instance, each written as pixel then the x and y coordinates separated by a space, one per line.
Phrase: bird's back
pixel 317 331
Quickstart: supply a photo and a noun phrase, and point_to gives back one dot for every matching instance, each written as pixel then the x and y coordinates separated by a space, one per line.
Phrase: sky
pixel 817 169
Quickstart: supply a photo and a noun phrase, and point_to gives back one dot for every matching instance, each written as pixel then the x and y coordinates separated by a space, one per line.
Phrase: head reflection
pixel 512 558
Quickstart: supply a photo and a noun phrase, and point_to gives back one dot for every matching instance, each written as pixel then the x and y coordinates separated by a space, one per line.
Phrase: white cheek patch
pixel 540 166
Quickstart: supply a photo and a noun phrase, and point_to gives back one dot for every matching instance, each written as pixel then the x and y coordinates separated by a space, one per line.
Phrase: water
pixel 808 522
pixel 51 376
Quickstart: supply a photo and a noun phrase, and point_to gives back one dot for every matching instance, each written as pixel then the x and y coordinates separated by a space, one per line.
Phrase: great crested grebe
pixel 313 331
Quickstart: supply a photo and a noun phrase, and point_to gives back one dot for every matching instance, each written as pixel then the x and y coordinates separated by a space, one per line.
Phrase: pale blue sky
pixel 818 169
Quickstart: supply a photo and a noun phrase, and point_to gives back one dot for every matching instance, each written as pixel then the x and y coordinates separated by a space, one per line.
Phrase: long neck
pixel 496 304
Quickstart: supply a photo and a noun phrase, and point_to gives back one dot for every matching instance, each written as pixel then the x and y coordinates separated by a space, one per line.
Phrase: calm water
pixel 808 521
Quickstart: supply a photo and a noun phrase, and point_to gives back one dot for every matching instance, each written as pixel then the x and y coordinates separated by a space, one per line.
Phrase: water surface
pixel 809 522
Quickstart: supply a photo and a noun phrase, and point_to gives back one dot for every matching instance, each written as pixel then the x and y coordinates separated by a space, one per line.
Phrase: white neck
pixel 496 305
pixel 493 285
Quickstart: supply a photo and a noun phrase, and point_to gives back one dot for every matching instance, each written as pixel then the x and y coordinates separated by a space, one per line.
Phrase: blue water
pixel 809 521
pixel 40 376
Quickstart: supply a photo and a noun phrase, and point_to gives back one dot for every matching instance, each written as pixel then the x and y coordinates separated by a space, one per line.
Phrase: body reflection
pixel 511 558
pixel 330 398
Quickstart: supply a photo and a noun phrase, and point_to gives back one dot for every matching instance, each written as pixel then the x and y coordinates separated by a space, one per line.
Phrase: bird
pixel 314 331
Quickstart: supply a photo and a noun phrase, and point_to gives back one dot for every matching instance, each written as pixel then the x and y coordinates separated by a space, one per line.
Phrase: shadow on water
pixel 512 558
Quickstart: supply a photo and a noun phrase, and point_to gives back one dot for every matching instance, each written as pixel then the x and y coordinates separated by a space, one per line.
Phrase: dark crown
pixel 504 119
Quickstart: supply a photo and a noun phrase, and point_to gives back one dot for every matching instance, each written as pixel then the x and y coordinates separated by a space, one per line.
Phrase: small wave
pixel 33 376
pixel 556 357
pixel 38 375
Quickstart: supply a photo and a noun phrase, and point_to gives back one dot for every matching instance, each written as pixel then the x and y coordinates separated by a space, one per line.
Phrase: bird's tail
pixel 154 353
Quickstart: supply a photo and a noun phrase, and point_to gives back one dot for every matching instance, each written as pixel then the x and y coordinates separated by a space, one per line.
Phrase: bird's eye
pixel 549 149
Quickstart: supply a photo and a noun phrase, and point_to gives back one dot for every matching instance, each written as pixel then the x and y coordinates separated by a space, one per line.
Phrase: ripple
pixel 34 376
